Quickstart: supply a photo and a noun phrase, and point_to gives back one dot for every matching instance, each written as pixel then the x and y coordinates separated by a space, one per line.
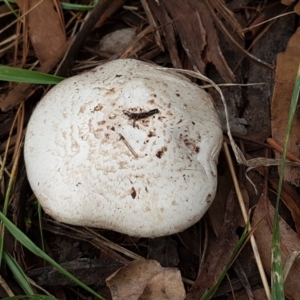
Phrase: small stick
pixel 128 146
pixel 277 147
pixel 141 115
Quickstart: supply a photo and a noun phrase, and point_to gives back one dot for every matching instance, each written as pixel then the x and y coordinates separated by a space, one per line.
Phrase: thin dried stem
pixel 246 219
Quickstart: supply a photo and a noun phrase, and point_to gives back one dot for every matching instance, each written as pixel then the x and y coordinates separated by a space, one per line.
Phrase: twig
pixel 246 218
pixel 278 148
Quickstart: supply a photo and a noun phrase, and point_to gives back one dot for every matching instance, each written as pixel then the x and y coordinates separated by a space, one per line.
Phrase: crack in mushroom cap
pixel 88 165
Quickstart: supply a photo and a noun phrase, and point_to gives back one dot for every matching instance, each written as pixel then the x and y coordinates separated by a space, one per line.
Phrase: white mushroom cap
pixel 88 165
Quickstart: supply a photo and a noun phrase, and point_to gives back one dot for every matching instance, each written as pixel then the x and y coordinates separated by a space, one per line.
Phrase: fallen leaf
pixel 289 197
pixel 191 240
pixel 258 294
pixel 292 201
pixel 146 280
pixel 217 210
pixel 286 72
pixel 165 285
pixel 111 9
pixel 213 46
pixel 164 250
pixel 263 216
pixel 219 253
pixel 168 32
pixel 297 8
pixel 46 29
pixel 193 17
pixel 287 2
pixel 187 21
pixel 89 271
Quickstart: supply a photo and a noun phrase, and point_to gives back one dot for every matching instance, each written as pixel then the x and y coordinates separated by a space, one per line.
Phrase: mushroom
pixel 125 147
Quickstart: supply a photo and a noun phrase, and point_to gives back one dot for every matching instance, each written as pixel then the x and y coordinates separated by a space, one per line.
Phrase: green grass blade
pixel 77 7
pixel 26 242
pixel 27 76
pixel 277 281
pixel 18 273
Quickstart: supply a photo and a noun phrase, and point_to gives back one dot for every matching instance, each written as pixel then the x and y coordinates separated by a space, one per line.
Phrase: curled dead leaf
pixel 264 214
pixel 286 71
pixel 146 280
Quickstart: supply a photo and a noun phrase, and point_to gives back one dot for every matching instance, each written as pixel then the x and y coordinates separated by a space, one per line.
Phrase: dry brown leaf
pixel 22 91
pixel 286 71
pixel 197 33
pixel 164 250
pixel 259 294
pixel 46 32
pixel 111 9
pixel 15 96
pixel 167 31
pixel 220 251
pixel 190 30
pixel 240 271
pixel 190 239
pixel 146 280
pixel 289 197
pixel 152 22
pixel 264 213
pixel 292 201
pixel 216 211
pixel 165 285
pixel 297 8
pixel 287 2
pixel 213 47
